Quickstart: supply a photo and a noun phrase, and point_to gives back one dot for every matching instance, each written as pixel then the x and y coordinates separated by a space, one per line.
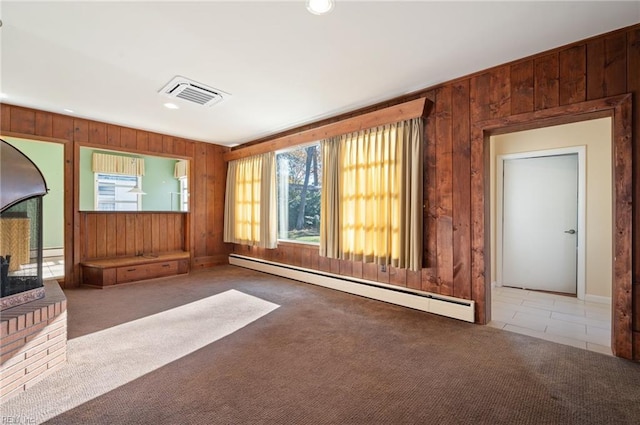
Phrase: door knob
pixel 570 231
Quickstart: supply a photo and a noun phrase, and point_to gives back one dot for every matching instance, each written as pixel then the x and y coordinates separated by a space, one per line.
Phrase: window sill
pixel 290 242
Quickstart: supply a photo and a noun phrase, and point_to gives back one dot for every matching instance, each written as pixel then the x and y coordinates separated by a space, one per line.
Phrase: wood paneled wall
pixel 202 225
pixel 207 201
pixel 597 68
pixel 115 234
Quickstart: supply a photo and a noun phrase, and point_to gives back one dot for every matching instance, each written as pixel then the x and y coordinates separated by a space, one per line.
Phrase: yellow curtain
pixel 378 174
pixel 117 164
pixel 250 202
pixel 268 205
pixel 330 199
pixel 181 169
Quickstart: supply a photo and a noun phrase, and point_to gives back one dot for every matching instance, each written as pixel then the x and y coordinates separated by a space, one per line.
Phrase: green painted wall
pixel 86 180
pixel 49 158
pixel 158 182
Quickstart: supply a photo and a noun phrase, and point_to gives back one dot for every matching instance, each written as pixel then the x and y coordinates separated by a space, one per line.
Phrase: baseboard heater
pixel 456 308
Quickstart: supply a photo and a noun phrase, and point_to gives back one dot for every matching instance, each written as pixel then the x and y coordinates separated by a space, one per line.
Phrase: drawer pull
pixel 166 265
pixel 132 270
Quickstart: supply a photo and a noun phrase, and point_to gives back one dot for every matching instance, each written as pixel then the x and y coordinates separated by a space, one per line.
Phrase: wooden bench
pixel 115 270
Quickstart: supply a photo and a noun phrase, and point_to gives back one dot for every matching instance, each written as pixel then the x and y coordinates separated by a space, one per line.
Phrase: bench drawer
pixel 146 271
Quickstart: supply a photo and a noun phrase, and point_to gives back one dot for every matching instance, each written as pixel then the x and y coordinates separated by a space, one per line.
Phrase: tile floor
pixel 52 267
pixel 562 319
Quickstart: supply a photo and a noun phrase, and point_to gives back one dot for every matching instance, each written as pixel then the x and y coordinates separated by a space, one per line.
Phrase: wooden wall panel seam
pixel 546 92
pixel 522 86
pixel 23 120
pixel 572 75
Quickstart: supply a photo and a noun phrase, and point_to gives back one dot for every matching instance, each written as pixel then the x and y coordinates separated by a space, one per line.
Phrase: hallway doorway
pixel 577 316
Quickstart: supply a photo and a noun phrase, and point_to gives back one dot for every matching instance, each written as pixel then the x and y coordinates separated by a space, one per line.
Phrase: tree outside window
pixel 299 174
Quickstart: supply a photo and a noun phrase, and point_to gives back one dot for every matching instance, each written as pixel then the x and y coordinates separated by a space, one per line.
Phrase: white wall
pixel 596 136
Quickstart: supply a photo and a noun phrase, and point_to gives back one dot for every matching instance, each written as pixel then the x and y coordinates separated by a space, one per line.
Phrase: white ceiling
pixel 283 66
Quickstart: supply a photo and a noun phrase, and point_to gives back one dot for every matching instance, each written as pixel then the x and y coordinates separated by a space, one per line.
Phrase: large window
pixel 112 192
pixel 299 176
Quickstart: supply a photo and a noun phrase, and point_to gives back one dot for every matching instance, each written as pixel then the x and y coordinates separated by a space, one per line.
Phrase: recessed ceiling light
pixel 170 105
pixel 68 110
pixel 319 7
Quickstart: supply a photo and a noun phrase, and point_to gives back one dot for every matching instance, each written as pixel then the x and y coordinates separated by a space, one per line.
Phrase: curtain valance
pixel 117 164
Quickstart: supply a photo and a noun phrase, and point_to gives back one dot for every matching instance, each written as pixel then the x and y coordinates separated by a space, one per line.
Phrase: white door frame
pixel 581 245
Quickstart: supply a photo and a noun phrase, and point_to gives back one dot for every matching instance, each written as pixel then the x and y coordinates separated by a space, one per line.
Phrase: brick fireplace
pixel 34 341
pixel 33 326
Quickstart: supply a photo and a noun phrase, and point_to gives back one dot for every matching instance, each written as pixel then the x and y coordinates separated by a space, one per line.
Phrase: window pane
pixel 299 174
pixel 184 194
pixel 112 192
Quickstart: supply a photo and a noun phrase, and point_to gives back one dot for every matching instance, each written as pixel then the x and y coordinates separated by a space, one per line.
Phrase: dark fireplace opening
pixel 21 242
pixel 21 190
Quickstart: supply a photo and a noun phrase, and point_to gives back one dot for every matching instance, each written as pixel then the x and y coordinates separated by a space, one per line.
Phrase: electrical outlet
pixel 383 268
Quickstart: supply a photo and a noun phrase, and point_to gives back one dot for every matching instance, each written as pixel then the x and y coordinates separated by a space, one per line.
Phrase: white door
pixel 540 213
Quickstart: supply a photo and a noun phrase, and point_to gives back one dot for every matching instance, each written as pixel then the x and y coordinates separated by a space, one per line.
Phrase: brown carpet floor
pixel 325 357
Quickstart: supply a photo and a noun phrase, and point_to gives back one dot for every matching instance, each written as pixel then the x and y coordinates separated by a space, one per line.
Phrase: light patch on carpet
pixel 102 361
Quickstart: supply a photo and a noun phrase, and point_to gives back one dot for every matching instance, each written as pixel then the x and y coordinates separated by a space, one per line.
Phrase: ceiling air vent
pixel 194 92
